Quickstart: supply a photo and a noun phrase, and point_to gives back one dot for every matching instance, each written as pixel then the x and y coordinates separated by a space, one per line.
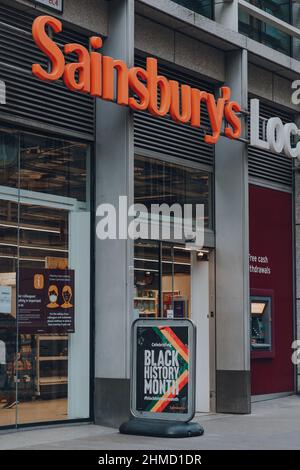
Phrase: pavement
pixel 273 424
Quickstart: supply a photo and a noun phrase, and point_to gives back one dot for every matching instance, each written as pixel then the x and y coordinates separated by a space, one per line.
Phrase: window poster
pixel 46 301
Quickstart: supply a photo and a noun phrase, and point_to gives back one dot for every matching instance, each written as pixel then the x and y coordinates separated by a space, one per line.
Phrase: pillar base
pixel 233 391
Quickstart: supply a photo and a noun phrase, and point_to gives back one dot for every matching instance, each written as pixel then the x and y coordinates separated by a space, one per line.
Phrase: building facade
pixel 65 153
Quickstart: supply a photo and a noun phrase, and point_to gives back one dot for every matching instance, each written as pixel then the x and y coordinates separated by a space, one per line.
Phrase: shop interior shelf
pixel 145 298
pixel 53 358
pixel 52 337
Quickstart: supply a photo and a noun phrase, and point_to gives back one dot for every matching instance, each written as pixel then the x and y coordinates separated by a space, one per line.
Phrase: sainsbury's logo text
pixel 140 89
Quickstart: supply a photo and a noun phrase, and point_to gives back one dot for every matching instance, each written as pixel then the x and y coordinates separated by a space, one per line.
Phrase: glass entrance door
pixel 162 280
pixel 37 367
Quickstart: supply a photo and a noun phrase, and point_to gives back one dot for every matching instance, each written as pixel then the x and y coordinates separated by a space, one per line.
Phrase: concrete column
pixel 227 13
pixel 232 251
pixel 113 258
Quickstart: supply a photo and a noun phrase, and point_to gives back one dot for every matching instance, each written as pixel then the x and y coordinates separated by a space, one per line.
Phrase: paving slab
pixel 273 424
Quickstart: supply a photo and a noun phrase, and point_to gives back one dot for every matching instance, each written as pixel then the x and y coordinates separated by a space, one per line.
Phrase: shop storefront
pixel 68 299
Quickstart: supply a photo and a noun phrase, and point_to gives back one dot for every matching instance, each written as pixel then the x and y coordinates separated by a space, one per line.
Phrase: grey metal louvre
pixel 268 166
pixel 28 98
pixel 16 17
pixel 18 49
pixel 164 136
pixel 49 103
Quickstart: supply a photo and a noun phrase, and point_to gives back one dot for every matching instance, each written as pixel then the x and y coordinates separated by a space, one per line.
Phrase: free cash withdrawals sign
pixel 163 369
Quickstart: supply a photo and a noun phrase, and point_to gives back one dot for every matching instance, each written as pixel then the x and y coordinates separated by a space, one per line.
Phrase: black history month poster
pixel 162 374
pixel 46 301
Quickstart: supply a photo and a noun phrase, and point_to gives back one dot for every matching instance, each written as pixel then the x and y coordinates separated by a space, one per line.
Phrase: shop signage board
pixel 144 89
pixel 140 89
pixel 163 369
pixel 56 5
pixel 278 137
pixel 46 301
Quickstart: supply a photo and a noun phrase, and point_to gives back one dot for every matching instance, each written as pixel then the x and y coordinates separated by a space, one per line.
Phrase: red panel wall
pixel 270 215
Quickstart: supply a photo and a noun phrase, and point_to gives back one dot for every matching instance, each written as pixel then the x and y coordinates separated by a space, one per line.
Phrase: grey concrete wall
pixel 169 44
pixel 232 251
pixel 89 14
pixel 173 46
pixel 271 86
pixel 114 258
pixel 227 13
pixel 223 36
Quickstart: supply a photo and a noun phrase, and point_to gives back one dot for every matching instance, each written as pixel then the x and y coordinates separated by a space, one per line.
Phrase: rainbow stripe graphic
pixel 167 335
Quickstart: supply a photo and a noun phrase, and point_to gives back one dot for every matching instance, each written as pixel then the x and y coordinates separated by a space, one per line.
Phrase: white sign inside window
pixel 53 4
pixel 5 299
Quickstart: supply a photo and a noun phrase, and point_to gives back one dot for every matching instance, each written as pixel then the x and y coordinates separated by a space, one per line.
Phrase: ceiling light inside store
pixel 29 247
pixel 30 228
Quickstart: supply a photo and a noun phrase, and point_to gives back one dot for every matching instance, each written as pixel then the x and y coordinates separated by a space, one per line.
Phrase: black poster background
pixel 35 313
pixel 150 338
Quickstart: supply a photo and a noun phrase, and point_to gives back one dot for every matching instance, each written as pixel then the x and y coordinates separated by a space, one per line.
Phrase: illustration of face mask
pixel 53 298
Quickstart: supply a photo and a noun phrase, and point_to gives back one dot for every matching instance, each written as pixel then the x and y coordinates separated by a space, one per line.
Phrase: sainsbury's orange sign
pixel 136 87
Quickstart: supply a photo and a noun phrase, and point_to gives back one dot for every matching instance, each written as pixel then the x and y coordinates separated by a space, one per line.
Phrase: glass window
pixel 147 279
pixel 158 182
pixel 162 279
pixel 204 7
pixel 279 8
pixel 263 32
pixel 176 281
pixel 9 158
pixel 261 317
pixel 8 333
pixel 44 370
pixel 34 366
pixel 47 165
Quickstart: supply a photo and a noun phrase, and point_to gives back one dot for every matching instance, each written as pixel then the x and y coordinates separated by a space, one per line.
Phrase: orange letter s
pixel 139 89
pixel 233 120
pixel 46 45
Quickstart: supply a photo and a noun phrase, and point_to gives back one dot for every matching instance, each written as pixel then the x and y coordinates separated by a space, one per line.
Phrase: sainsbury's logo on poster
pixel 140 89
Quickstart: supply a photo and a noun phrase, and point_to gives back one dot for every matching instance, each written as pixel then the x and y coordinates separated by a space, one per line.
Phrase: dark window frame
pixel 257 28
pixel 195 5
